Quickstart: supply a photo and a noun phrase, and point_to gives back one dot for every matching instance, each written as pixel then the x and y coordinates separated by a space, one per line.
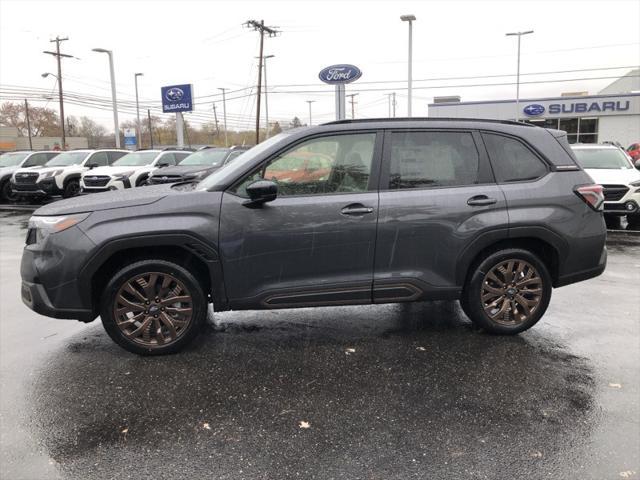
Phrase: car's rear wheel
pixel 71 189
pixel 6 193
pixel 153 307
pixel 508 292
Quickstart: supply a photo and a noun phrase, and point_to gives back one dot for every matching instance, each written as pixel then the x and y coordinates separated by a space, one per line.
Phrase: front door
pixel 437 195
pixel 314 244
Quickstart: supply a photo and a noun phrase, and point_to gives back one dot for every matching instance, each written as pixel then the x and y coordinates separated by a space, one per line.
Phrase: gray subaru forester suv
pixel 492 213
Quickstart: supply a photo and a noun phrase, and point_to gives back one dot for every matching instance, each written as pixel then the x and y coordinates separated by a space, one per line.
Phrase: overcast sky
pixel 204 43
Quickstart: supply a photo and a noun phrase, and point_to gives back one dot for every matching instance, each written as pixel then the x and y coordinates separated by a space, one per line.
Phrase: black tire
pixel 633 221
pixel 6 193
pixel 71 189
pixel 116 324
pixel 472 299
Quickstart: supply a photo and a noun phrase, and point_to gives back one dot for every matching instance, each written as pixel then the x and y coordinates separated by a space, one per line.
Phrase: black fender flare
pixel 190 242
pixel 73 176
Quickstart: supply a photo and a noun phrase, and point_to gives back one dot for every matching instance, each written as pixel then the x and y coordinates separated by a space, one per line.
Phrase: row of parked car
pixel 42 174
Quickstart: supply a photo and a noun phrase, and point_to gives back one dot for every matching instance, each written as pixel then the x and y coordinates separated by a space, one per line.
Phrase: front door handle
pixel 356 209
pixel 481 200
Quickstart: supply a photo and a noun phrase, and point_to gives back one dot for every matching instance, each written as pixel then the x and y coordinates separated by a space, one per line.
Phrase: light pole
pixel 410 19
pixel 113 94
pixel 518 34
pixel 224 115
pixel 310 117
pixel 266 100
pixel 135 78
pixel 64 139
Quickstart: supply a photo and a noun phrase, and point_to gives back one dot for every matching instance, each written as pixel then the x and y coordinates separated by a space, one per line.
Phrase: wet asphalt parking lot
pixel 368 392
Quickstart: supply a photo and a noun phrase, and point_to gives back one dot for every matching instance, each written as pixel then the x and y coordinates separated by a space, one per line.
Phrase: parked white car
pixel 12 161
pixel 61 174
pixel 612 168
pixel 132 170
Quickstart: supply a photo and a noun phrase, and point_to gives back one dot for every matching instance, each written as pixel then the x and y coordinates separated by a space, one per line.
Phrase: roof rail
pixel 427 119
pixel 180 149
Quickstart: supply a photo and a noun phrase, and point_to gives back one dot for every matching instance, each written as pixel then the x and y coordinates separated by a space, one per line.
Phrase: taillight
pixel 593 195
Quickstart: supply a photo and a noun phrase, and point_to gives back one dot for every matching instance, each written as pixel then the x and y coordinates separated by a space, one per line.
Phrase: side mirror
pixel 260 192
pixel 637 164
pixel 92 166
pixel 163 164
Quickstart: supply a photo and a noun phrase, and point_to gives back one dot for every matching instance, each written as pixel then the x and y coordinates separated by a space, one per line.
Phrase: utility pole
pixel 266 100
pixel 518 34
pixel 215 116
pixel 393 104
pixel 224 115
pixel 272 32
pixel 353 111
pixel 26 114
pixel 58 55
pixel 149 124
pixel 310 117
pixel 410 19
pixel 138 124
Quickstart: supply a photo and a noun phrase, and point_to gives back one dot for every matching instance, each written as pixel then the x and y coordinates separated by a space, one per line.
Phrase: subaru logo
pixel 164 178
pixel 92 178
pixel 174 94
pixel 534 109
pixel 336 74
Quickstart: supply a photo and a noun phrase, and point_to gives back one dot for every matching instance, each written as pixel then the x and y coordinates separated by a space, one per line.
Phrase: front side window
pixel 38 159
pixel 512 160
pixel 167 159
pixel 432 159
pixel 99 159
pixel 333 164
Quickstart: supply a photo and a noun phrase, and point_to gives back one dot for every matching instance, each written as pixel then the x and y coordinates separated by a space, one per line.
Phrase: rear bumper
pixel 575 277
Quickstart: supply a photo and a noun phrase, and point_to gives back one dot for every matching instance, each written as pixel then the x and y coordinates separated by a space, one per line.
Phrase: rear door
pixel 437 195
pixel 314 244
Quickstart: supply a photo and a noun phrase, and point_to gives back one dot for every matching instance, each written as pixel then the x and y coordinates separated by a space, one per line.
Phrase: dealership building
pixel 611 115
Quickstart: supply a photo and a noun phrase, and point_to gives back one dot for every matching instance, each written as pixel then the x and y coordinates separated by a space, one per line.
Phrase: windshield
pixel 135 159
pixel 603 158
pixel 210 156
pixel 240 163
pixel 12 159
pixel 67 158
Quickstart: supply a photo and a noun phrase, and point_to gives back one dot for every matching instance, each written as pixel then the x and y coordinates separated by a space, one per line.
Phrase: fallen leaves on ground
pixel 304 424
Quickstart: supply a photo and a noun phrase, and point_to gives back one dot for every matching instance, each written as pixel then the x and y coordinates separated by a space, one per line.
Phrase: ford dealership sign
pixel 534 109
pixel 177 98
pixel 337 74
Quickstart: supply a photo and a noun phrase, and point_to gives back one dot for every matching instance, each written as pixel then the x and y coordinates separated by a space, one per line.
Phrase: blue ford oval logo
pixel 174 94
pixel 342 73
pixel 534 109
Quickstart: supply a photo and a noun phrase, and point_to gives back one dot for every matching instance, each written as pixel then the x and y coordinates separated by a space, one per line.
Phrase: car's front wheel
pixel 508 291
pixel 71 189
pixel 6 193
pixel 153 307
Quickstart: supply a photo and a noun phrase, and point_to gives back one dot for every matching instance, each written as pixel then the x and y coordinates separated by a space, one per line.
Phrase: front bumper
pixel 45 188
pixel 49 272
pixel 627 205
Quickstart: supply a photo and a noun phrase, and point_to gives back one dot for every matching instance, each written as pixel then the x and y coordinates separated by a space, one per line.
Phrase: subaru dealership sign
pixel 177 98
pixel 340 74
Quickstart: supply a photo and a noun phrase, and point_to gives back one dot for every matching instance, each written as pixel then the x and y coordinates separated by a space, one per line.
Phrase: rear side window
pixel 512 160
pixel 433 159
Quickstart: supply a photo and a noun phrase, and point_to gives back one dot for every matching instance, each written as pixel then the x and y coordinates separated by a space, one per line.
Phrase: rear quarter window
pixel 512 160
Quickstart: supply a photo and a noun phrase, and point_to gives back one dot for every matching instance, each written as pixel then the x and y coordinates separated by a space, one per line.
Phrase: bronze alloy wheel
pixel 511 292
pixel 153 309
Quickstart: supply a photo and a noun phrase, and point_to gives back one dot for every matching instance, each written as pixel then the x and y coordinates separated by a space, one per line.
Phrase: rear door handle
pixel 481 200
pixel 356 209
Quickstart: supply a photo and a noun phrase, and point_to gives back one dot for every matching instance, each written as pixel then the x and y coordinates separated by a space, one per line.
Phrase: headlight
pixel 45 226
pixel 635 184
pixel 123 176
pixel 50 174
pixel 196 176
